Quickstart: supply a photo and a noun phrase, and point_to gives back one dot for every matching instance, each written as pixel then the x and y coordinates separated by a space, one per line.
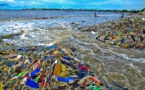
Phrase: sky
pixel 74 4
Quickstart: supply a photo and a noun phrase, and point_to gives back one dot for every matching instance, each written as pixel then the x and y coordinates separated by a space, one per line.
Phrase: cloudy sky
pixel 75 4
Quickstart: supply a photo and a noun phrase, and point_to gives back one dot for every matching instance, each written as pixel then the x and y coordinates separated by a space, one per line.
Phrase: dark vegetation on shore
pixel 132 11
pixel 107 10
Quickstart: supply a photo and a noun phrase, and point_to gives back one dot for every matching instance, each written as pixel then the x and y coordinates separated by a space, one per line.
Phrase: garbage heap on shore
pixel 49 68
pixel 126 33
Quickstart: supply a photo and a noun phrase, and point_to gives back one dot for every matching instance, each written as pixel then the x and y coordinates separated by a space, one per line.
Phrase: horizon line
pixel 74 9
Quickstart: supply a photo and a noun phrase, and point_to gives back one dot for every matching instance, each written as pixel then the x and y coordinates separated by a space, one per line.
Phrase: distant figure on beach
pixel 95 15
pixel 122 15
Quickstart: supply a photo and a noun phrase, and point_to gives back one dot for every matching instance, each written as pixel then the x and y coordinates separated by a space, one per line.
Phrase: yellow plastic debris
pixel 1 86
pixel 143 13
pixel 57 69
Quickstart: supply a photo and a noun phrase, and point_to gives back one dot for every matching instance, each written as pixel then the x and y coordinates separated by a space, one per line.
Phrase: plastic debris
pixel 126 33
pixel 43 68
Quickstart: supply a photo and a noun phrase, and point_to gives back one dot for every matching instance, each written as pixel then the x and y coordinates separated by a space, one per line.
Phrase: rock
pixel 72 23
pixel 83 20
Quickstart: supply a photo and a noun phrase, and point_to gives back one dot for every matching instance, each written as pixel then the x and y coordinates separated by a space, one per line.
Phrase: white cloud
pixel 60 1
pixel 34 3
pixel 54 0
pixel 24 3
pixel 7 0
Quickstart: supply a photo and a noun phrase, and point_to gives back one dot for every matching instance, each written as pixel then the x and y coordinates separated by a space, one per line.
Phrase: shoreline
pixel 109 36
pixel 125 28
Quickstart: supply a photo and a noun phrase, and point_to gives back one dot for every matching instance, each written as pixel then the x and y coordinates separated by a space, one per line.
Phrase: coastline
pixel 87 55
pixel 125 28
pixel 97 29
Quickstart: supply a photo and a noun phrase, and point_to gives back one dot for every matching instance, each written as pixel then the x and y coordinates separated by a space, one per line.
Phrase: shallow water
pixel 111 64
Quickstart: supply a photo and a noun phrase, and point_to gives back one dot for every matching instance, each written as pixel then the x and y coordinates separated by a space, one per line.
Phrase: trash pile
pixel 126 33
pixel 45 68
